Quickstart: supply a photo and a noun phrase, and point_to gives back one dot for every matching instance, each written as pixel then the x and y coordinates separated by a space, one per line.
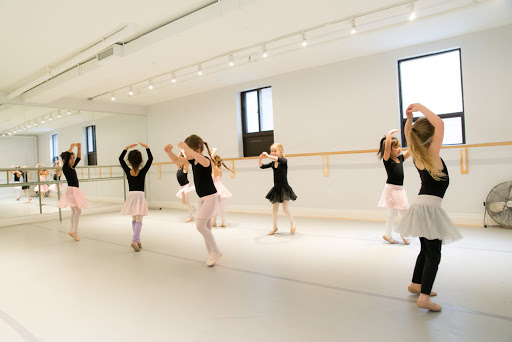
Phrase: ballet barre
pixel 464 156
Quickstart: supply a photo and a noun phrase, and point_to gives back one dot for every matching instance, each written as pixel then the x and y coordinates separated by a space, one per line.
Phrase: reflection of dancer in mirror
pixel 185 186
pixel 17 179
pixel 224 193
pixel 425 218
pixel 25 188
pixel 56 177
pixel 136 205
pixel 208 203
pixel 393 197
pixel 281 192
pixel 73 197
pixel 42 178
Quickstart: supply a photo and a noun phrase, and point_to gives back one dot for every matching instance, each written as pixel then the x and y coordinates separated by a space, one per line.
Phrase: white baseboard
pixel 360 215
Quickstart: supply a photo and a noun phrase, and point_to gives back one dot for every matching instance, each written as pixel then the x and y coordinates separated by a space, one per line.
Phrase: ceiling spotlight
pixel 42 120
pixel 9 133
pixel 173 78
pixel 29 125
pixel 130 92
pixel 68 112
pixel 265 54
pixel 50 118
pixel 231 60
pixel 412 13
pixel 353 25
pixel 199 69
pixel 113 96
pixel 304 41
pixel 150 86
pixel 3 134
pixel 35 123
pixel 58 115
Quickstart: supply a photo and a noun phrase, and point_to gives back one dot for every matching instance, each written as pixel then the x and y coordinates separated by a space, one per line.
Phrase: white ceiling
pixel 63 30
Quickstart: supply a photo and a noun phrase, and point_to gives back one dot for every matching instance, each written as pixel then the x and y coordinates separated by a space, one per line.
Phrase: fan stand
pixel 485 215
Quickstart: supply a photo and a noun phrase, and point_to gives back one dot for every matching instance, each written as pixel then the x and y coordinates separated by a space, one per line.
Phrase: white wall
pixel 347 106
pixel 113 134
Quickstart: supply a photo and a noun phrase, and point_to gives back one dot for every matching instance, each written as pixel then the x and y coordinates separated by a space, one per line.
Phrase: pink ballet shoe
pixel 391 241
pixel 428 305
pixel 213 259
pixel 293 229
pixel 135 247
pixel 189 219
pixel 272 232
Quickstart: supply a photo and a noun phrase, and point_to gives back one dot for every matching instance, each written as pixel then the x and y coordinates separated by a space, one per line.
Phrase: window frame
pixel 460 115
pixel 244 111
pixel 54 147
pixel 92 157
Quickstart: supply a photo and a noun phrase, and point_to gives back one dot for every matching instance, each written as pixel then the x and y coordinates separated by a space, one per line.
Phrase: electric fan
pixel 499 204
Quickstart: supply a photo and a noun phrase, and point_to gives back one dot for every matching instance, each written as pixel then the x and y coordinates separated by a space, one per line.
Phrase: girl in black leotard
pixel 393 196
pixel 282 191
pixel 74 196
pixel 136 204
pixel 425 218
pixel 17 179
pixel 208 204
pixel 185 188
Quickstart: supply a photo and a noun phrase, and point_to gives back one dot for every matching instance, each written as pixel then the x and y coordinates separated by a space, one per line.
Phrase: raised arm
pixel 408 123
pixel 205 162
pixel 387 144
pixel 79 153
pixel 150 157
pixel 174 158
pixel 437 140
pixel 121 158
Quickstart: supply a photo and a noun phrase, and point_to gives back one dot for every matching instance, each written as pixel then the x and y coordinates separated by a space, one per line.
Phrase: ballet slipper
pixel 212 259
pixel 135 247
pixel 272 232
pixel 17 199
pixel 416 289
pixel 293 229
pixel 214 224
pixel 406 240
pixel 74 236
pixel 223 225
pixel 391 241
pixel 189 219
pixel 139 244
pixel 428 305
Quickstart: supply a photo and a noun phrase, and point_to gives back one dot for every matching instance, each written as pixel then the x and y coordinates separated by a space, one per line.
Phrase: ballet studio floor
pixel 334 280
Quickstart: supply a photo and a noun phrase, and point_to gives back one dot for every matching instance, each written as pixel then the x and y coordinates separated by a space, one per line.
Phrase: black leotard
pixel 136 183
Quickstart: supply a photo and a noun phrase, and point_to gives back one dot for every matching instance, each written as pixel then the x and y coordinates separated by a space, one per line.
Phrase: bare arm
pixel 79 153
pixel 271 157
pixel 205 162
pixel 71 148
pixel 387 144
pixel 437 140
pixel 174 158
pixel 407 154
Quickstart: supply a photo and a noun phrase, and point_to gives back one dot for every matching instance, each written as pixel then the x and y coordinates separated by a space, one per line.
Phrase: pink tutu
pixel 44 188
pixel 73 197
pixel 209 206
pixel 136 204
pixel 185 189
pixel 221 189
pixel 394 197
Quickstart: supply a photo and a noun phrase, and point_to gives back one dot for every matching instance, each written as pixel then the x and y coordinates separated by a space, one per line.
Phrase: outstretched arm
pixel 79 153
pixel 174 158
pixel 205 162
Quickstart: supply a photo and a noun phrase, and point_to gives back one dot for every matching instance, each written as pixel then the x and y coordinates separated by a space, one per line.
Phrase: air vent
pixel 109 54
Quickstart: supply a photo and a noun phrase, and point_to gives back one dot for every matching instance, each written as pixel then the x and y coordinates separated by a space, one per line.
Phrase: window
pixel 92 158
pixel 54 148
pixel 257 121
pixel 435 80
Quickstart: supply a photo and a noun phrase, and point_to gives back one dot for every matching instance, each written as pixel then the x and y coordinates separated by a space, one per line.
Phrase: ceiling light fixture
pixel 265 54
pixel 304 41
pixel 200 70
pixel 412 13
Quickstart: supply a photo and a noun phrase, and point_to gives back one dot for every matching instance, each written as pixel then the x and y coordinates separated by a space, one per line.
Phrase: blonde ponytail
pixel 419 143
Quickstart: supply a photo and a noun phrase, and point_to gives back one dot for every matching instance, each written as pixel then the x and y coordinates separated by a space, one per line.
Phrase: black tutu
pixel 281 194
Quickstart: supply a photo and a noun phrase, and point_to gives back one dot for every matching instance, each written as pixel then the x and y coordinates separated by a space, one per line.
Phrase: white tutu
pixel 185 189
pixel 73 197
pixel 135 204
pixel 17 187
pixel 425 218
pixel 221 189
pixel 62 186
pixel 44 188
pixel 394 197
pixel 209 206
